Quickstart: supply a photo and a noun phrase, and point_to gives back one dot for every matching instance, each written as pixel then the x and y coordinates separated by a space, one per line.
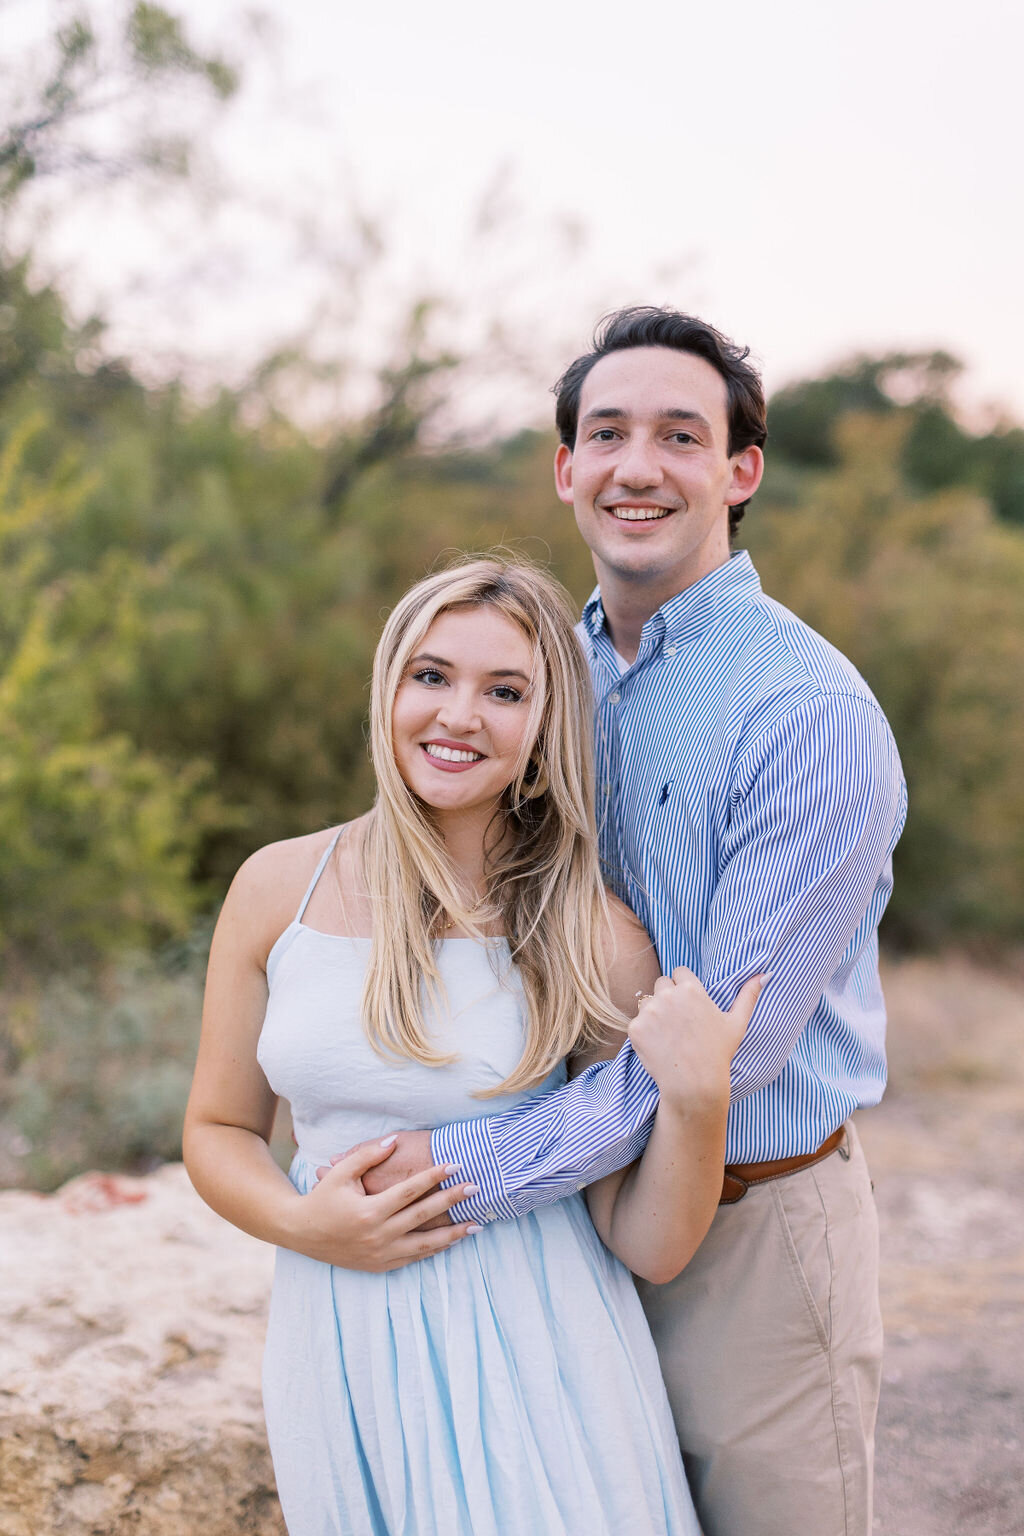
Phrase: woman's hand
pixel 654 1214
pixel 687 1043
pixel 339 1223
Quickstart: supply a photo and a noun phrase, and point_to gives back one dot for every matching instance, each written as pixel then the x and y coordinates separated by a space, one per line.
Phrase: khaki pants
pixel 770 1343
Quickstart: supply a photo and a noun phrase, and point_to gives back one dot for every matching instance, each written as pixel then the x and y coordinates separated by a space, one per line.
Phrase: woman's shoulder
pixel 630 956
pixel 624 927
pixel 268 889
pixel 287 863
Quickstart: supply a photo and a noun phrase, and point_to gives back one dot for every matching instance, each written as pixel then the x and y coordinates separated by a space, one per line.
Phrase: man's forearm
pixel 550 1146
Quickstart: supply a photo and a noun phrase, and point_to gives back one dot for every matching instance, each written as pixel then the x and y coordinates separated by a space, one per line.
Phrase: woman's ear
pixel 535 780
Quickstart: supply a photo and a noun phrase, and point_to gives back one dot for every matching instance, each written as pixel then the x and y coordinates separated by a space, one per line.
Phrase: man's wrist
pixel 467 1145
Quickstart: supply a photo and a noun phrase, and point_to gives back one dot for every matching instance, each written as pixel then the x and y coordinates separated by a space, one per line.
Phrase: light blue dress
pixel 505 1387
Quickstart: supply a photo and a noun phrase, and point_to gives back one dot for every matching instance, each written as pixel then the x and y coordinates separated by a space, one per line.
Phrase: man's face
pixel 650 477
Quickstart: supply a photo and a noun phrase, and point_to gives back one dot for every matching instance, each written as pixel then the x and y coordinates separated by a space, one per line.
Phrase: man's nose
pixel 638 463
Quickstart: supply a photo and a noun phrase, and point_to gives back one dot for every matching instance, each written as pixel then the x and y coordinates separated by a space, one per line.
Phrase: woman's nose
pixel 459 713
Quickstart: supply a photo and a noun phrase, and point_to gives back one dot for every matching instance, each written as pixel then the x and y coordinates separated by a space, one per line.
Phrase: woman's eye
pixel 506 694
pixel 430 676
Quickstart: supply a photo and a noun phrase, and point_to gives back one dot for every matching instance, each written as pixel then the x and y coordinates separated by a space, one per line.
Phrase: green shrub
pixel 98 1067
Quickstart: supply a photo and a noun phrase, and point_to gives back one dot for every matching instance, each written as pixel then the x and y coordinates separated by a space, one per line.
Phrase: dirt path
pixel 946 1149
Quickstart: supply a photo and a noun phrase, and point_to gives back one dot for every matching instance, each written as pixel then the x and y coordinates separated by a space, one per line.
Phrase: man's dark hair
pixel 646 326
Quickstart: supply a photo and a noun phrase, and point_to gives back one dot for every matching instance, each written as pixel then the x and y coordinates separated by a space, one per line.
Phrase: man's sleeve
pixel 819 803
pixel 545 1148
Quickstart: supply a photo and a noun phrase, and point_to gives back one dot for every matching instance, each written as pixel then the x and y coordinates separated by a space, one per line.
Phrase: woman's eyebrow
pixel 439 661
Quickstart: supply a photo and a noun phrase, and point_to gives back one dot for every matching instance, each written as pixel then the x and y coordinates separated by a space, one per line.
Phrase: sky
pixel 817 180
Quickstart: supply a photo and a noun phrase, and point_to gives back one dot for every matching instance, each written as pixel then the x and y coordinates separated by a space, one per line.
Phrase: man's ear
pixel 747 469
pixel 563 474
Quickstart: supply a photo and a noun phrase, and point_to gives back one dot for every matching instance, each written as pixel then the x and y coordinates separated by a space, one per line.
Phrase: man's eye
pixel 683 437
pixel 429 675
pixel 605 435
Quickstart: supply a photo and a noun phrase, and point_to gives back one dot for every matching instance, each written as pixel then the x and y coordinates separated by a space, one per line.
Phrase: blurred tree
pixel 999 471
pixel 96 832
pixel 804 422
pixel 87 74
pixel 926 596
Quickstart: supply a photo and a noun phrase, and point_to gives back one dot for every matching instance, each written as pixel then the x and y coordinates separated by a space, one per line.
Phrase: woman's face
pixel 462 710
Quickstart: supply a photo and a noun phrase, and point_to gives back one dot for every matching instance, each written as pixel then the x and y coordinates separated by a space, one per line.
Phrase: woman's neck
pixel 466 837
pixel 464 844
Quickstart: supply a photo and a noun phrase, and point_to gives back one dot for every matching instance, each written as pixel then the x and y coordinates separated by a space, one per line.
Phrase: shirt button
pixel 487 1215
pixel 670 650
pixel 606 789
pixel 613 698
pixel 580 1188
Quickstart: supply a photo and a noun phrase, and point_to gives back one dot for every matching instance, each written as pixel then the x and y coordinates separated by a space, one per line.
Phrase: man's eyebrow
pixel 439 661
pixel 693 417
pixel 670 413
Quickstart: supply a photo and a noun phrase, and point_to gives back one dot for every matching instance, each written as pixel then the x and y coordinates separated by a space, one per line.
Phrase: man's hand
pixel 410 1158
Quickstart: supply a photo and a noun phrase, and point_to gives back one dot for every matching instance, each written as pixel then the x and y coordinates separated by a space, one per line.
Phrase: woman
pixel 451 950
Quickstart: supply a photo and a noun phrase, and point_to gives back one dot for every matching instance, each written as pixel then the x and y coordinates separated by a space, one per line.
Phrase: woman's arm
pixel 231 1108
pixel 654 1214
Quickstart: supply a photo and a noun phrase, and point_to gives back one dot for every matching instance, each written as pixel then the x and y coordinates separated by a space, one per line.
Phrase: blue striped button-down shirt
pixel 749 799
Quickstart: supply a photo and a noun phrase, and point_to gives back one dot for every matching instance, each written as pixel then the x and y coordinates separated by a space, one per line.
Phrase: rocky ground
pixel 131 1318
pixel 131 1324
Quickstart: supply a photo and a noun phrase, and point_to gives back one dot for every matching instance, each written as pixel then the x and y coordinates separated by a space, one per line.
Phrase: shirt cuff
pixel 468 1145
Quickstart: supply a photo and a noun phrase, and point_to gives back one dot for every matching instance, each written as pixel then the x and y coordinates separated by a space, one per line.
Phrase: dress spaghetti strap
pixel 317 873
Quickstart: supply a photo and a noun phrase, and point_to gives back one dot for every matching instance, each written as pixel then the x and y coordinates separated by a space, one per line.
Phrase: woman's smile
pixel 452 756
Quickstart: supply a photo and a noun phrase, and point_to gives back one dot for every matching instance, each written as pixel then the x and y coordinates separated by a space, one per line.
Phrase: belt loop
pixel 733 1189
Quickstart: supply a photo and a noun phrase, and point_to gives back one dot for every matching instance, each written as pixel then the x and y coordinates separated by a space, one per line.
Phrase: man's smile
pixel 635 512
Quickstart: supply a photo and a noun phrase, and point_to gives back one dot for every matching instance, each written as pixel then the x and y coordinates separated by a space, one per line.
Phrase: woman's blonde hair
pixel 544 886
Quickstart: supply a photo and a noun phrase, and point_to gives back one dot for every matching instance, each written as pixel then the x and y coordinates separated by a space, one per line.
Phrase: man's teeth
pixel 641 514
pixel 450 754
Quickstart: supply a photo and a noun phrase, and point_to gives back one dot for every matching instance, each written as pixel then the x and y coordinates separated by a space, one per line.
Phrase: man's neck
pixel 629 604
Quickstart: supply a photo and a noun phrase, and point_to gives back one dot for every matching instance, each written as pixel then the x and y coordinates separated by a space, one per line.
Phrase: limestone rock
pixel 131 1330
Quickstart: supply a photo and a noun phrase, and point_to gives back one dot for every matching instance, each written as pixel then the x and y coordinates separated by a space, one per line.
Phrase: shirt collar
pixel 690 612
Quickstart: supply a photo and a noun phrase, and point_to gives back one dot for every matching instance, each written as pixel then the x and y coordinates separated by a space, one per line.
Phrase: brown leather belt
pixel 739 1176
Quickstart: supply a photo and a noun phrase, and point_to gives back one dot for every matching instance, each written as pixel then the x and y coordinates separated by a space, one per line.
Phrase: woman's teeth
pixel 450 755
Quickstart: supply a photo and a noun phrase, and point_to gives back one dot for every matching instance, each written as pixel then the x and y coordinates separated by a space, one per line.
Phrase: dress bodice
pixel 315 1052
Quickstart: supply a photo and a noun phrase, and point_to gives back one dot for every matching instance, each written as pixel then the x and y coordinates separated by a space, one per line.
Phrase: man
pixel 749 798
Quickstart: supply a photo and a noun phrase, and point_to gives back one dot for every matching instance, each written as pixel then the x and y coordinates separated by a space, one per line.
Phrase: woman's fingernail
pixel 389 1141
pixel 450 1168
pixel 473 1229
pixel 468 1190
